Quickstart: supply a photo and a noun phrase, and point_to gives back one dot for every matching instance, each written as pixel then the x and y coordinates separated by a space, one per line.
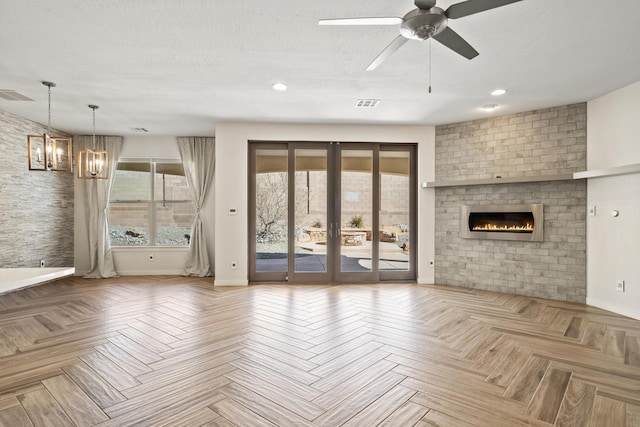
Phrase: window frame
pixel 151 202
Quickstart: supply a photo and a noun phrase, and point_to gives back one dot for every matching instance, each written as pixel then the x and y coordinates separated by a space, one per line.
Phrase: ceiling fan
pixel 427 21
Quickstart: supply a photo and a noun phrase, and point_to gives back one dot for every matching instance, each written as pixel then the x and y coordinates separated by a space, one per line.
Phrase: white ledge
pixel 613 171
pixel 12 279
pixel 493 181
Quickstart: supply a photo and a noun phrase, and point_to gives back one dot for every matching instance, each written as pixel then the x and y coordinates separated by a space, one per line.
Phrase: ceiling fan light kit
pixel 417 25
pixel 427 21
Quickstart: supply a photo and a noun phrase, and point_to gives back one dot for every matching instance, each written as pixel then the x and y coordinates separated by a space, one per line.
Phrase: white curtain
pixel 198 160
pixel 96 208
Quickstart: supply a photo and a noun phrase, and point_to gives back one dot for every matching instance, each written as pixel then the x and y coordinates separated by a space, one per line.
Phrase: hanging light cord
pixel 93 140
pixel 49 122
pixel 430 64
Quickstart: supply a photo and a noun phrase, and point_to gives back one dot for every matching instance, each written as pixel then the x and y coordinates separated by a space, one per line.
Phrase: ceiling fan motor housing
pixel 421 24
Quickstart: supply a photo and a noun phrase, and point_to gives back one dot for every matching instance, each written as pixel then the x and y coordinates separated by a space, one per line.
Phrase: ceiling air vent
pixel 140 130
pixel 367 103
pixel 12 95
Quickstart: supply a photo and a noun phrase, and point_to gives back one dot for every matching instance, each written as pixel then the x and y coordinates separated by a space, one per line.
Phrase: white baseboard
pixel 634 314
pixel 426 281
pixel 150 272
pixel 230 283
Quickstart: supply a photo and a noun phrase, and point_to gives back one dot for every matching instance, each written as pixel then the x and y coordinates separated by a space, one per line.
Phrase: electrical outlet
pixel 151 258
pixel 620 285
pixel 234 265
pixel 42 263
pixel 431 263
pixel 592 211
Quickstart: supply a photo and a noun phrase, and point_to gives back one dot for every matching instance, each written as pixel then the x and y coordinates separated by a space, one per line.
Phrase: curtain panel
pixel 198 161
pixel 96 208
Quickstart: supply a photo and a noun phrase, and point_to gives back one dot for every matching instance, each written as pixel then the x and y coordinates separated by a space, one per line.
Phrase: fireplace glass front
pixel 502 222
pixel 506 222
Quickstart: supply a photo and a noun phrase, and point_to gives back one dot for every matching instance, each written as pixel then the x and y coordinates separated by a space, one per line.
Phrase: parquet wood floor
pixel 175 351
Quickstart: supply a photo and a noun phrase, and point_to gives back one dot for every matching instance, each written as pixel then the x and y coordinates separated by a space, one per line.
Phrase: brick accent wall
pixel 542 142
pixel 36 214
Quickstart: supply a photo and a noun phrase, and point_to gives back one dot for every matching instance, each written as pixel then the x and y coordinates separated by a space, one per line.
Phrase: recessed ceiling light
pixel 489 107
pixel 499 92
pixel 279 86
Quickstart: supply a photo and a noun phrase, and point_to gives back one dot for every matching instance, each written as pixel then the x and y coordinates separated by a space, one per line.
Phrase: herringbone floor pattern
pixel 155 351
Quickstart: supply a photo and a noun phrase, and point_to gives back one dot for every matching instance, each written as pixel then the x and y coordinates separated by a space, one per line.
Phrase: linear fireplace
pixel 502 222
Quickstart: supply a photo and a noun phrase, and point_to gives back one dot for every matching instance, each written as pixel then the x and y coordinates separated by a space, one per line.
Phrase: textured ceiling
pixel 178 67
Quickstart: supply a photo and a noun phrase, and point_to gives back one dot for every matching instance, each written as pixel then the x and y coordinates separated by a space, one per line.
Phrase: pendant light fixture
pixel 46 152
pixel 92 163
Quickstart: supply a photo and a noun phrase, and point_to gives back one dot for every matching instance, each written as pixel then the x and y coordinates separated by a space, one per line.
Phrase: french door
pixel 331 212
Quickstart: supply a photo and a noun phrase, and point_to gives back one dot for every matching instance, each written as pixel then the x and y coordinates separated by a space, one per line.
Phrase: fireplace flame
pixel 526 228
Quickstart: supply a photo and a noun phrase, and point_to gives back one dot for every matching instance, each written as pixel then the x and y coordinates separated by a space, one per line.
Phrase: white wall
pixel 134 261
pixel 231 231
pixel 613 128
pixel 613 243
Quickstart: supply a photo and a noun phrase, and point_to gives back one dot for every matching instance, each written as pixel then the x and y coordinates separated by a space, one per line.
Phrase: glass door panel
pixel 395 211
pixel 332 212
pixel 311 243
pixel 355 226
pixel 271 210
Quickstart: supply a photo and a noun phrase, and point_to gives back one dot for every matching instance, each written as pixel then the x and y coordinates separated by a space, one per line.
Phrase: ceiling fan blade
pixel 425 4
pixel 387 52
pixel 453 41
pixel 389 20
pixel 470 7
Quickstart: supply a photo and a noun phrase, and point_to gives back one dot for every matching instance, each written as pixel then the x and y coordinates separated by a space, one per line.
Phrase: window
pixel 150 204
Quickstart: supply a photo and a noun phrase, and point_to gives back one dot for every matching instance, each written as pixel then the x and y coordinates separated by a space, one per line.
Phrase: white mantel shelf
pixel 613 171
pixel 494 181
pixel 596 173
